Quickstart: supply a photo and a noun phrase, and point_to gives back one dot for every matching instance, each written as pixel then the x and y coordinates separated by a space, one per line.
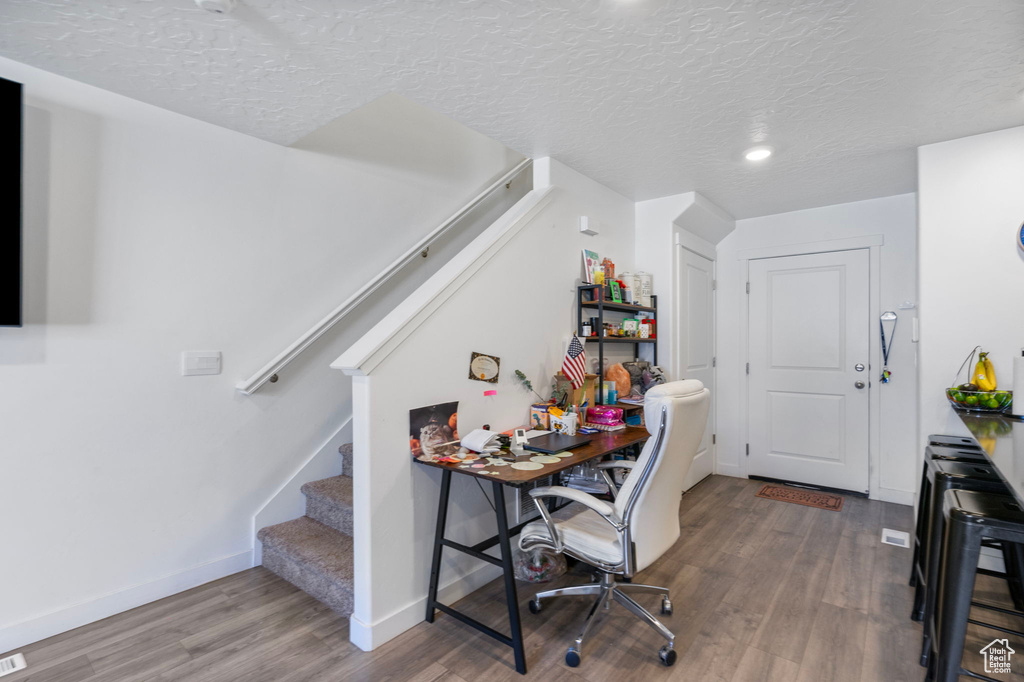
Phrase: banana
pixel 984 373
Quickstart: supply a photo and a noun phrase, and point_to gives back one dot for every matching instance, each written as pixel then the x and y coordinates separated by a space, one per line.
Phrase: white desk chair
pixel 625 537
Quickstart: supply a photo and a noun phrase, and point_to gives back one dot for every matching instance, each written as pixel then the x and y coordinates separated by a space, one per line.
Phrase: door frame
pixel 873 243
pixel 704 249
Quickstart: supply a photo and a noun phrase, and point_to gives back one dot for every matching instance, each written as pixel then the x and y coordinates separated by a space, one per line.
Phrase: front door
pixel 696 347
pixel 808 374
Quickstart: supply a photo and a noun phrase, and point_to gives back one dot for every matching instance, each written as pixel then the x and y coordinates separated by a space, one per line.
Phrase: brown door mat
pixel 808 498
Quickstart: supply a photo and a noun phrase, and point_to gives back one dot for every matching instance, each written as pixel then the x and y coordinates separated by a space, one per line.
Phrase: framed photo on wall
pixel 484 367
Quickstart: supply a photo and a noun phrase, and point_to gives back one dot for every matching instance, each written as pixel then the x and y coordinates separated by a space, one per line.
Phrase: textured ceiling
pixel 651 97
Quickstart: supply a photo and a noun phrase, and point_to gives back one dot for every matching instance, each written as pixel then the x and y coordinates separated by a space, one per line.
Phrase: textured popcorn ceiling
pixel 651 97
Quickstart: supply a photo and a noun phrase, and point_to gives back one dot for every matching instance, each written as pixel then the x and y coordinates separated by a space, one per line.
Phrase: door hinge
pixel 748 287
pixel 714 438
pixel 748 449
pixel 714 361
pixel 748 368
pixel 714 284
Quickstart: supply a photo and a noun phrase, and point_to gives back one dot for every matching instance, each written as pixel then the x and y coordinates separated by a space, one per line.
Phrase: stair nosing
pixel 310 490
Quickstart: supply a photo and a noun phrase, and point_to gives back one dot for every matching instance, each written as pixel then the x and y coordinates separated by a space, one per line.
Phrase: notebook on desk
pixel 555 442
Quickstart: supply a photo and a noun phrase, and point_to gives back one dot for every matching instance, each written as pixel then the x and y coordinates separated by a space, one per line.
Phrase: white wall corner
pixel 370 636
pixel 362 507
pixel 904 497
pixel 542 172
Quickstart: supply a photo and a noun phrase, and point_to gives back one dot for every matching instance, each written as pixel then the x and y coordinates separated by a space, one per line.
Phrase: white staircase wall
pixel 149 233
pixel 288 502
pixel 520 306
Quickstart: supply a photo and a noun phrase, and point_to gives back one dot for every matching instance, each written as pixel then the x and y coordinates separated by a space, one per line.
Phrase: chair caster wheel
pixel 666 606
pixel 534 606
pixel 667 656
pixel 572 658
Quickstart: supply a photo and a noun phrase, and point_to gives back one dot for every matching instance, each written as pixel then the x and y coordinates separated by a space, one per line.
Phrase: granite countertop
pixel 1003 439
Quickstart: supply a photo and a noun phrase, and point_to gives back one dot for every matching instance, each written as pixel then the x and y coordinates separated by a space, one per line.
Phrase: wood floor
pixel 763 591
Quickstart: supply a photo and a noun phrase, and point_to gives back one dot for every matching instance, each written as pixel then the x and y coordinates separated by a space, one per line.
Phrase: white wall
pixel 519 307
pixel 148 233
pixel 894 219
pixel 971 205
pixel 689 220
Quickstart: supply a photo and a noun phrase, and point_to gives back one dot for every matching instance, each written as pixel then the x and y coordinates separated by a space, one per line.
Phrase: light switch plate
pixel 588 225
pixel 198 362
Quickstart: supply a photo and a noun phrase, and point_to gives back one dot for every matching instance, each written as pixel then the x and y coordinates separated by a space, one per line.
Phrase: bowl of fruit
pixel 979 394
pixel 970 398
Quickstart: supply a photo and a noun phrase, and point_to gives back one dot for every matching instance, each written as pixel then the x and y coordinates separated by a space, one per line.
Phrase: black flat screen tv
pixel 10 204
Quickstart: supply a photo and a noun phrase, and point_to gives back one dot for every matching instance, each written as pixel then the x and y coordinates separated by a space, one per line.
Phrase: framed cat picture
pixel 434 432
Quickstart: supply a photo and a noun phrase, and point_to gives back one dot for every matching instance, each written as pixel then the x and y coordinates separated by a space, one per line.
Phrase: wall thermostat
pixel 1020 236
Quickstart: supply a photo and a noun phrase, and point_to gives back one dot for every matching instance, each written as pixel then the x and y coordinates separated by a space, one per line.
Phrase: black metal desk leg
pixel 511 594
pixel 435 565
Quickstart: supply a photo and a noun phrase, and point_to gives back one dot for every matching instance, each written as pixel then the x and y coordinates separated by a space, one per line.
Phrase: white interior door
pixel 808 401
pixel 696 346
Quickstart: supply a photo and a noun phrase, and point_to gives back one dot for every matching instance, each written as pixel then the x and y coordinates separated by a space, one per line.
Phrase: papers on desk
pixel 481 441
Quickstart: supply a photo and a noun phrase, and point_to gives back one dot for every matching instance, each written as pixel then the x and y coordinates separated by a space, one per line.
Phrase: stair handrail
pixel 269 372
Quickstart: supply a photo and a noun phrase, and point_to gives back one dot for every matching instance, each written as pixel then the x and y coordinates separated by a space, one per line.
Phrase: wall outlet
pixel 196 362
pixel 12 664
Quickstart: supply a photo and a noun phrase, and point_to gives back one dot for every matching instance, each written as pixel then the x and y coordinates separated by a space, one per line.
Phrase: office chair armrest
pixel 586 499
pixel 617 464
pixel 603 509
pixel 605 468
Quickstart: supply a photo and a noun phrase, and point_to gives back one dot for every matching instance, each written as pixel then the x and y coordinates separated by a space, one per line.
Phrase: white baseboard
pixel 729 470
pixel 369 636
pixel 905 497
pixel 83 613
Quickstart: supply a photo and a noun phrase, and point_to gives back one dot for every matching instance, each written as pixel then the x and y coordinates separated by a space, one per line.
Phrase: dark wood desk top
pixel 600 445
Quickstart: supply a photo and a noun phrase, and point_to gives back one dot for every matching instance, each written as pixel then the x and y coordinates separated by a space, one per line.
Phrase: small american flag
pixel 575 364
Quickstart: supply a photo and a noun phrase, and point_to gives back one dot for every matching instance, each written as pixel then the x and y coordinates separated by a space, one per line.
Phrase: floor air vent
pixel 896 537
pixel 12 664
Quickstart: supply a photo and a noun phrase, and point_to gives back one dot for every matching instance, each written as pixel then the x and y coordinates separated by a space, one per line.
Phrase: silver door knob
pixel 859 384
pixel 859 367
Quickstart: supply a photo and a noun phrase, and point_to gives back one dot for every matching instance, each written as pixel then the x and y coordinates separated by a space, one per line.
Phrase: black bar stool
pixel 933 452
pixel 970 517
pixel 944 476
pixel 955 454
pixel 953 441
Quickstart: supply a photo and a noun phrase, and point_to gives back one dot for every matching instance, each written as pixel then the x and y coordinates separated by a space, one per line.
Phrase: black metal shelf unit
pixel 602 306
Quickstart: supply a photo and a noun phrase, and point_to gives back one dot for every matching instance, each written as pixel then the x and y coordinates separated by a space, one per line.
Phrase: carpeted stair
pixel 314 552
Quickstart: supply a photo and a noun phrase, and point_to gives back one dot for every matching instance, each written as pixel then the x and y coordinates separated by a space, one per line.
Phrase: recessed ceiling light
pixel 758 153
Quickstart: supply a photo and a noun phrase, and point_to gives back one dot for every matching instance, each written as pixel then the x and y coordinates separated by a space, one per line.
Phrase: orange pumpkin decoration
pixel 453 422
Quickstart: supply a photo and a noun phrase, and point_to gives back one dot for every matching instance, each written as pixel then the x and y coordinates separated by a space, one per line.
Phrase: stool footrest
pixel 990 626
pixel 977 676
pixel 991 573
pixel 1000 609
